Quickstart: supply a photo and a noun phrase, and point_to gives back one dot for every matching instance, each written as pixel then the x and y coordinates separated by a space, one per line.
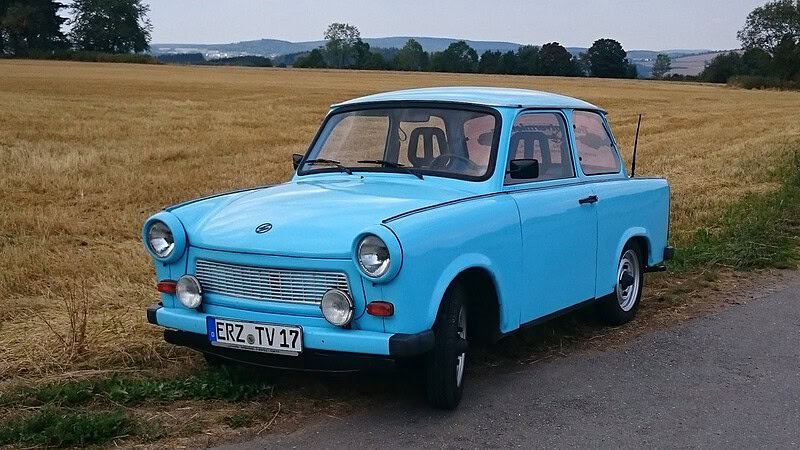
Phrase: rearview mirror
pixel 524 169
pixel 296 158
pixel 416 115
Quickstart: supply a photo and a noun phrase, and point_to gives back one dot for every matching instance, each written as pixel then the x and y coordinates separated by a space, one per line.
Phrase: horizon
pixel 439 37
pixel 683 24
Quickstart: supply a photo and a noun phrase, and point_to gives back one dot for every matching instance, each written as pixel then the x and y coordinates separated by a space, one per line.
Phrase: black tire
pixel 620 307
pixel 443 385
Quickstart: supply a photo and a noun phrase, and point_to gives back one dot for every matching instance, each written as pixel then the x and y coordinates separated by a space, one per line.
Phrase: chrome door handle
pixel 588 200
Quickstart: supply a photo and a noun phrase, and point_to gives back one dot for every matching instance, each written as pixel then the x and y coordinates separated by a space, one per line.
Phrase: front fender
pixel 438 245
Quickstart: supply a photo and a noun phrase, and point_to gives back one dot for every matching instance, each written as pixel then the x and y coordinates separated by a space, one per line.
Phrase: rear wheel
pixel 445 364
pixel 621 305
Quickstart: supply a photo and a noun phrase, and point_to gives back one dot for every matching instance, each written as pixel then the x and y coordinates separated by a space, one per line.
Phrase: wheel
pixel 445 364
pixel 621 305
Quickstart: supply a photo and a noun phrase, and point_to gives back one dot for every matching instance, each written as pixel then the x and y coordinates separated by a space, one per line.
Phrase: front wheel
pixel 621 305
pixel 445 364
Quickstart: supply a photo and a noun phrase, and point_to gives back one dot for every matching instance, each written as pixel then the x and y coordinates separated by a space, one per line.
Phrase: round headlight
pixel 337 307
pixel 160 240
pixel 373 256
pixel 189 292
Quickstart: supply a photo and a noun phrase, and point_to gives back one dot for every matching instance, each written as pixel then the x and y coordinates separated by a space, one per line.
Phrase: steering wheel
pixel 443 162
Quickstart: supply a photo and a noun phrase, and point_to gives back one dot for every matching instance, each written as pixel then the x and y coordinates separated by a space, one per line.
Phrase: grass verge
pixel 63 428
pixel 756 232
pixel 230 384
pixel 57 420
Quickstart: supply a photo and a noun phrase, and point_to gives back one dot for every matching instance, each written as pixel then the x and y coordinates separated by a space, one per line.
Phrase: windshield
pixel 457 143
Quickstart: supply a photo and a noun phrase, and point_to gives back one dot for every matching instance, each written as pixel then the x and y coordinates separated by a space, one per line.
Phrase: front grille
pixel 275 285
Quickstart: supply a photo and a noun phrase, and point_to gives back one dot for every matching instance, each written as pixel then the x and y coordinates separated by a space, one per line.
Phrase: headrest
pixel 427 134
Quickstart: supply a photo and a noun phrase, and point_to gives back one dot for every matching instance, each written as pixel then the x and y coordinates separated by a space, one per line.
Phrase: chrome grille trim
pixel 265 284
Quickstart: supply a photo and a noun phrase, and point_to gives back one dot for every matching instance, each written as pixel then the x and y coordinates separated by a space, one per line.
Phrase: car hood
pixel 314 218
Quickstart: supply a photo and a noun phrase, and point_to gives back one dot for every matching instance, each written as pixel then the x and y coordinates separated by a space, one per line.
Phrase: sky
pixel 637 24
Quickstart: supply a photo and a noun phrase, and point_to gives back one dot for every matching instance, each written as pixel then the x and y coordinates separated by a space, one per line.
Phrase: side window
pixel 543 137
pixel 595 149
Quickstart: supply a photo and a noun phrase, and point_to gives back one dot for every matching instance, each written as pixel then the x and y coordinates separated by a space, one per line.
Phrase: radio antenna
pixel 635 145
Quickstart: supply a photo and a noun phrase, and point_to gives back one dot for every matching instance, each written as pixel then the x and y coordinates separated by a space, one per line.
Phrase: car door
pixel 619 201
pixel 557 216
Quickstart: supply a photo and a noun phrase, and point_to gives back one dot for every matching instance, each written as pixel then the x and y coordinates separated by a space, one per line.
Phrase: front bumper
pixel 188 328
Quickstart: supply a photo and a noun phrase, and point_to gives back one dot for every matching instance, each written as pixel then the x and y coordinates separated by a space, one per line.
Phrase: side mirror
pixel 296 158
pixel 524 169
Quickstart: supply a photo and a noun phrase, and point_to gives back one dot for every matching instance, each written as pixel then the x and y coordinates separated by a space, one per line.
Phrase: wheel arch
pixel 483 299
pixel 641 237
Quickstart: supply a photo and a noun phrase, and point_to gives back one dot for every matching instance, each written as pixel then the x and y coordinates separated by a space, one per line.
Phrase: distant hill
pixel 276 47
pixel 682 64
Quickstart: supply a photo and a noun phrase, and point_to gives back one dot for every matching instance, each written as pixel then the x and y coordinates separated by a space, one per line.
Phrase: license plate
pixel 259 337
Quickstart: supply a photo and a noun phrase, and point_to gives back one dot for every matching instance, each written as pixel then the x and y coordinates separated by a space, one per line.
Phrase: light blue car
pixel 418 223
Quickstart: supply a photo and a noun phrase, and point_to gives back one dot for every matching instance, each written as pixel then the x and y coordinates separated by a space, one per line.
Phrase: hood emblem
pixel 263 228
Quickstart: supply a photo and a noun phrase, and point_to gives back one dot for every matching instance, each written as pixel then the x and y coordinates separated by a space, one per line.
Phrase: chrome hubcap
pixel 462 333
pixel 628 280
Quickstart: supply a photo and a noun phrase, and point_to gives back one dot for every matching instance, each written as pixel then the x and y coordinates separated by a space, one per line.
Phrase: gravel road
pixel 728 380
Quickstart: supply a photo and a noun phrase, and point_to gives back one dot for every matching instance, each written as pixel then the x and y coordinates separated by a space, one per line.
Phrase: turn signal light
pixel 167 286
pixel 380 309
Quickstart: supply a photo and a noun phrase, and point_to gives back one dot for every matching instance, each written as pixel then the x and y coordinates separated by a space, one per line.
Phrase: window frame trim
pixel 489 110
pixel 569 137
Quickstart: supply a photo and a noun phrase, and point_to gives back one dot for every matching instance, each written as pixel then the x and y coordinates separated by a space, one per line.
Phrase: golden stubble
pixel 88 151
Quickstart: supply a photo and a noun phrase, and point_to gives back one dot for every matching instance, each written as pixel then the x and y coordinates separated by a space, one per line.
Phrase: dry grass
pixel 88 151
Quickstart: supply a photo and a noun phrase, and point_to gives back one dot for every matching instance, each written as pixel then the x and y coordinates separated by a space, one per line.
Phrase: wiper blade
pixel 391 164
pixel 337 164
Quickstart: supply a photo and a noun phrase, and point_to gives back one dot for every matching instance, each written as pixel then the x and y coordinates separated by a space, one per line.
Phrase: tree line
pixel 34 27
pixel 771 50
pixel 344 49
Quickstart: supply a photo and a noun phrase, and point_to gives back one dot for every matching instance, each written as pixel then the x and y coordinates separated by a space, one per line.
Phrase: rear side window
pixel 595 149
pixel 543 137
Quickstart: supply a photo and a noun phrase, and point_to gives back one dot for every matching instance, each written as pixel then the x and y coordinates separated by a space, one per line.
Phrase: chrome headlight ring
pixel 189 291
pixel 373 256
pixel 377 254
pixel 164 237
pixel 160 239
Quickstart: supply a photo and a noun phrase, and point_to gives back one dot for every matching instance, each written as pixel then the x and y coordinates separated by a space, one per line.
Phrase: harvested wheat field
pixel 89 151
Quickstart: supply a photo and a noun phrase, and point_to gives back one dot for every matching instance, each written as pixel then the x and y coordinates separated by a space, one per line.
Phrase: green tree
pixel 490 62
pixel 528 60
pixel 30 25
pixel 459 57
pixel 608 59
pixel 771 25
pixel 509 63
pixel 632 71
pixel 786 59
pixel 314 59
pixel 111 26
pixel 662 66
pixel 411 57
pixel 555 60
pixel 364 58
pixel 755 61
pixel 340 46
pixel 722 68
